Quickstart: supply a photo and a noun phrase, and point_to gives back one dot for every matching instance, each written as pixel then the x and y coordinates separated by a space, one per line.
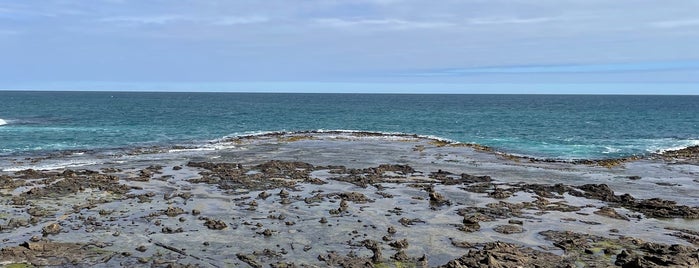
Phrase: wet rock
pixel 400 244
pixel 174 211
pixel 323 220
pixel 352 197
pixel 283 194
pixel 266 232
pixel 468 178
pixel 691 152
pixel 51 229
pixel 499 193
pixel 408 222
pixel 611 213
pixel 283 265
pixel 141 248
pixel 249 259
pixel 460 244
pixel 470 223
pixel 634 252
pixel 195 212
pixel 14 223
pixel 333 259
pixel 634 178
pixel 391 230
pixel 400 256
pixel 374 175
pixel 170 230
pixel 500 254
pixel 654 207
pixel 235 176
pixel 215 224
pixel 263 195
pixel 518 222
pixel 437 199
pixel 375 249
pixel 47 253
pixel 508 229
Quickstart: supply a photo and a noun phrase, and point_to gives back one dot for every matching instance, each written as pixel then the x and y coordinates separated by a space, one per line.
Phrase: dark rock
pixel 174 211
pixel 51 229
pixel 518 222
pixel 500 254
pixel 249 259
pixel 610 212
pixel 437 199
pixel 215 224
pixel 400 244
pixel 470 223
pixel 391 230
pixel 508 229
pixel 408 222
pixel 375 249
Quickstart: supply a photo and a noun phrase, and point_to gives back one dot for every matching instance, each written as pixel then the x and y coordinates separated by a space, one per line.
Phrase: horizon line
pixel 344 93
pixel 369 88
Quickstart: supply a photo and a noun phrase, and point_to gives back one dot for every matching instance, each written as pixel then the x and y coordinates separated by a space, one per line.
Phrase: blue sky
pixel 447 46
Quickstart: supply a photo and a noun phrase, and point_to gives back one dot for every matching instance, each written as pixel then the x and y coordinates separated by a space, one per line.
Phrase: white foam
pixel 664 145
pixel 52 166
pixel 610 150
pixel 2 122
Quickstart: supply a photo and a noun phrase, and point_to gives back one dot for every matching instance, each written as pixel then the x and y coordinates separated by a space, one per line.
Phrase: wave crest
pixel 2 122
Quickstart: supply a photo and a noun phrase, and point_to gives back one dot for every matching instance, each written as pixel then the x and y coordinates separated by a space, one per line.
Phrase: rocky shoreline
pixel 318 200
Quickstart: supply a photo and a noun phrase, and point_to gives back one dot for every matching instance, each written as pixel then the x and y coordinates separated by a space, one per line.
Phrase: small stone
pixel 518 222
pixel 53 229
pixel 508 229
pixel 400 244
pixel 283 194
pixel 267 232
pixel 174 211
pixel 141 248
pixel 263 195
pixel 215 224
pixel 323 220
pixel 391 230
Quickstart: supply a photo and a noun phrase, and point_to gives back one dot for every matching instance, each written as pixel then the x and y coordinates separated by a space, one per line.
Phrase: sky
pixel 395 46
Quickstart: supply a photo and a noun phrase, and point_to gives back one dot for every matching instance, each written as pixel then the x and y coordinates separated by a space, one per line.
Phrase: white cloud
pixel 385 23
pixel 166 19
pixel 8 32
pixel 156 19
pixel 675 23
pixel 492 21
pixel 238 20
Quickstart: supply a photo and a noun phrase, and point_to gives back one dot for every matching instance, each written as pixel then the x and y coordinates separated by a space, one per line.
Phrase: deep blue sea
pixel 549 126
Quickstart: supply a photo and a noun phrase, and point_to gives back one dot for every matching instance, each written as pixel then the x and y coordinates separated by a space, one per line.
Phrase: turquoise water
pixel 551 126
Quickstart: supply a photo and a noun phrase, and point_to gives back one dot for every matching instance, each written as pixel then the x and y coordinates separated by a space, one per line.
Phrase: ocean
pixel 544 126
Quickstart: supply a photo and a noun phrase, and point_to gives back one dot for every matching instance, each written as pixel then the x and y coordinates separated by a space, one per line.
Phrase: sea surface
pixel 545 126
